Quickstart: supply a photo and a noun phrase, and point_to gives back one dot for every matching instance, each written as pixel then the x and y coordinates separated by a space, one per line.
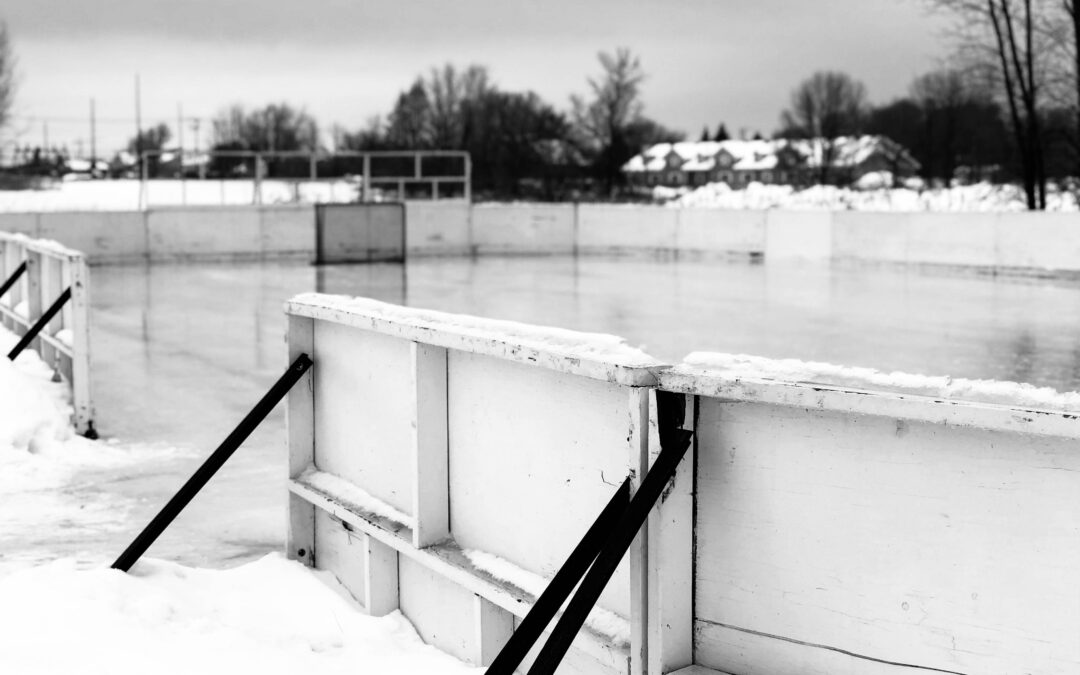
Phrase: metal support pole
pixel 40 324
pixel 212 464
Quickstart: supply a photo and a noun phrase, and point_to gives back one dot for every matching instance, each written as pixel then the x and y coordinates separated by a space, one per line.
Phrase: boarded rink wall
pixel 1025 243
pixel 176 234
pixel 438 445
pixel 811 529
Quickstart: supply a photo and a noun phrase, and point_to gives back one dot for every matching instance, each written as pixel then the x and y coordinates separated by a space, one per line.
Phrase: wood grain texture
pixel 364 411
pixel 526 441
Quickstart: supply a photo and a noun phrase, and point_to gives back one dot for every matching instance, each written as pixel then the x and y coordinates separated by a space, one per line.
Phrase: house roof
pixel 760 155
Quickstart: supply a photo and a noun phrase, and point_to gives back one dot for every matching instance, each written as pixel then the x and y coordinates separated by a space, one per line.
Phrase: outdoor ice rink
pixel 181 353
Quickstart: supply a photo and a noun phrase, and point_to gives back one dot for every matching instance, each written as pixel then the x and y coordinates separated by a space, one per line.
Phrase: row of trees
pixel 518 142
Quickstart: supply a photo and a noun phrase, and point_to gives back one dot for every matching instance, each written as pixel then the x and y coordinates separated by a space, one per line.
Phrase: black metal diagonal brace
pixel 12 279
pixel 214 462
pixel 40 324
pixel 674 443
pixel 560 587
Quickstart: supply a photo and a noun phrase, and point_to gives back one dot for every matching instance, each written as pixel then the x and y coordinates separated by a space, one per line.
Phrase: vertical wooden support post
pixel 300 423
pixel 381 582
pixel 671 565
pixel 416 166
pixel 430 468
pixel 639 556
pixel 80 346
pixel 493 626
pixel 33 293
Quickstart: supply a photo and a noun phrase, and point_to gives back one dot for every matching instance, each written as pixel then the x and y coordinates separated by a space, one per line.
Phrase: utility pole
pixel 93 139
pixel 180 150
pixel 138 125
pixel 140 165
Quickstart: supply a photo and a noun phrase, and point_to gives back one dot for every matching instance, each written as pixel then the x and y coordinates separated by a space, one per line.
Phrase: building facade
pixel 782 161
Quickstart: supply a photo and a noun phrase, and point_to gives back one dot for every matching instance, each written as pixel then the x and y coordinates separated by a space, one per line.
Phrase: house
pixel 781 161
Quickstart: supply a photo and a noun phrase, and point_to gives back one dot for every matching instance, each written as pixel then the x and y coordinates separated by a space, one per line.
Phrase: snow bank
pixel 600 620
pixel 572 344
pixel 980 197
pixel 742 366
pixel 268 617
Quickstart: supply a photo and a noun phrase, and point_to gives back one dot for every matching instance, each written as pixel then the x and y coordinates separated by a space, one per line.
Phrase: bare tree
pixel 825 106
pixel 7 75
pixel 410 122
pixel 615 104
pixel 449 91
pixel 1007 40
pixel 941 94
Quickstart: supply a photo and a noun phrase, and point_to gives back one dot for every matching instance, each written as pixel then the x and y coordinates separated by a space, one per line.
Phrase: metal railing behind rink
pixel 379 175
pixel 41 273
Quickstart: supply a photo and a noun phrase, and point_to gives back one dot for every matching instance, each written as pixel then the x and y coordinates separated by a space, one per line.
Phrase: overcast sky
pixel 707 61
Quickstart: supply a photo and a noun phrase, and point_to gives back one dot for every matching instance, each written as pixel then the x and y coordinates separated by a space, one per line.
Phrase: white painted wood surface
pixel 381 577
pixel 325 309
pixel 363 411
pixel 832 541
pixel 946 412
pixel 637 448
pixel 671 564
pixel 492 628
pixel 300 427
pixel 526 441
pixel 428 448
pixel 51 268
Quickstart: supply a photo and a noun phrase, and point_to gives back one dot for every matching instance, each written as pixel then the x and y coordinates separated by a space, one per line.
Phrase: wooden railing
pixel 446 466
pixel 64 344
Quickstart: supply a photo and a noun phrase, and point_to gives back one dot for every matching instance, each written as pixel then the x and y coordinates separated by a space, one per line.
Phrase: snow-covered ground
pixel 72 614
pixel 980 197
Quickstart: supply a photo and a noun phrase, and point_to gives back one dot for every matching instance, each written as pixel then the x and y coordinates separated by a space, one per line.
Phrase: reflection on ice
pixel 181 352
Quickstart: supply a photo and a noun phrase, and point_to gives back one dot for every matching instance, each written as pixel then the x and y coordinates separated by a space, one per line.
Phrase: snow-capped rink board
pixel 838 526
pixel 467 429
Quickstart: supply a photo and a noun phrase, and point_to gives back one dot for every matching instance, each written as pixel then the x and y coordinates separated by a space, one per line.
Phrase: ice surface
pixel 743 366
pixel 268 617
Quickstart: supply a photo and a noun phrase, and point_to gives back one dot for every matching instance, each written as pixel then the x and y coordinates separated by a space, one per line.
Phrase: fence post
pixel 80 348
pixel 367 178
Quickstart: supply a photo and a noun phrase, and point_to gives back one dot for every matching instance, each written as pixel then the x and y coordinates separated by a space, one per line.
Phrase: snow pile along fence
pixel 41 272
pixel 446 466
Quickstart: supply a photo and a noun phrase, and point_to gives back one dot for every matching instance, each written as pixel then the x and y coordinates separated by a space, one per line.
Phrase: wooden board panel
pixel 363 411
pixel 889 540
pixel 341 551
pixel 441 611
pixel 523 441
